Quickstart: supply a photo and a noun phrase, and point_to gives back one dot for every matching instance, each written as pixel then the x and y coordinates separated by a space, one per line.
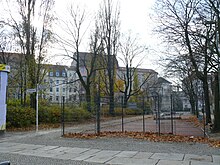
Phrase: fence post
pixel 98 113
pixel 62 112
pixel 158 114
pixel 171 113
pixel 98 107
pixel 37 108
pixel 143 116
pixel 122 113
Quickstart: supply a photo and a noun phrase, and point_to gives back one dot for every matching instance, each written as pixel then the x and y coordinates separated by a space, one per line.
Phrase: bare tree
pixel 130 50
pixel 31 38
pixel 75 29
pixel 214 5
pixel 109 21
pixel 179 66
pixel 181 25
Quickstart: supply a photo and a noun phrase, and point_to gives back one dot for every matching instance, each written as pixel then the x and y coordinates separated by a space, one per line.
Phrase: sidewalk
pixel 107 156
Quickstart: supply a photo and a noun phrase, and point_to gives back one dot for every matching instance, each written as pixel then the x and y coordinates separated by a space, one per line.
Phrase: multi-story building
pixel 61 82
pixel 145 77
pixel 163 90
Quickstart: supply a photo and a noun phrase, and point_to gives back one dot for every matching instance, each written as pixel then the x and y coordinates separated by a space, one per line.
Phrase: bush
pixel 49 113
pixel 76 114
pixel 18 116
pixel 118 111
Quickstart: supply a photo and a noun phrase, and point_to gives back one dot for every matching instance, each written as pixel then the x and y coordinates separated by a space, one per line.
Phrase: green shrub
pixel 76 114
pixel 49 113
pixel 118 111
pixel 13 102
pixel 18 116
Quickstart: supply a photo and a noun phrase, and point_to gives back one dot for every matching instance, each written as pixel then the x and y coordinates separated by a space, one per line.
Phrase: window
pixel 51 89
pixel 51 81
pixel 51 73
pixel 64 82
pixel 57 73
pixel 63 99
pixel 75 89
pixel 57 82
pixel 70 89
pixel 63 74
pixel 57 89
pixel 57 98
pixel 51 98
pixel 64 89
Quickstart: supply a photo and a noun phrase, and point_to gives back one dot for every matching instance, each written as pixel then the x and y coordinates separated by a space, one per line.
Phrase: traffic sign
pixel 31 90
pixel 4 67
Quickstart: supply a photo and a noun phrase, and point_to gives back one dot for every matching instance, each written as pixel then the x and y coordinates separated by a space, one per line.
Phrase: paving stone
pixel 216 158
pixel 14 148
pixel 132 161
pixel 4 150
pixel 57 150
pixel 167 156
pixel 126 154
pixel 102 156
pixel 193 157
pixel 87 154
pixel 46 148
pixel 202 163
pixel 173 162
pixel 67 156
pixel 6 144
pixel 47 154
pixel 76 150
pixel 143 155
pixel 28 149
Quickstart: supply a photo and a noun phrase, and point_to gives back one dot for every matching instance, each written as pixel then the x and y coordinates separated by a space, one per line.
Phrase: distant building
pixel 61 82
pixel 164 90
pixel 146 78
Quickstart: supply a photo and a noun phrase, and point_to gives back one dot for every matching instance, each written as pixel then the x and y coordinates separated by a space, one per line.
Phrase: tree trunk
pixel 192 103
pixel 88 99
pixel 111 101
pixel 125 101
pixel 207 101
pixel 111 84
pixel 217 100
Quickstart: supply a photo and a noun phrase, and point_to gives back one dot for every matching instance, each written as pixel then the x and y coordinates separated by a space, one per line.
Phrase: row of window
pixel 57 73
pixel 64 89
pixel 58 81
pixel 58 98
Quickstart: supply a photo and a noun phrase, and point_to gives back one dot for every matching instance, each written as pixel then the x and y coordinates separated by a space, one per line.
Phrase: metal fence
pixel 140 116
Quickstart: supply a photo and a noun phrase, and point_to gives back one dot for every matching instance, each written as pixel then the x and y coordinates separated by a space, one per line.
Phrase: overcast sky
pixel 134 16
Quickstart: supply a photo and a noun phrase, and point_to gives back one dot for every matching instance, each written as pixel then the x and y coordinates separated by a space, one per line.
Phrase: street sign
pixel 42 87
pixel 31 90
pixel 4 67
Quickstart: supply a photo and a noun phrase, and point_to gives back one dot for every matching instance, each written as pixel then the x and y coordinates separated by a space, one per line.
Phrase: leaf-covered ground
pixel 154 137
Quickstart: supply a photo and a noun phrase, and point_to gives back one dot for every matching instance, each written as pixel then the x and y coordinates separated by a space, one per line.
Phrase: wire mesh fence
pixel 140 116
